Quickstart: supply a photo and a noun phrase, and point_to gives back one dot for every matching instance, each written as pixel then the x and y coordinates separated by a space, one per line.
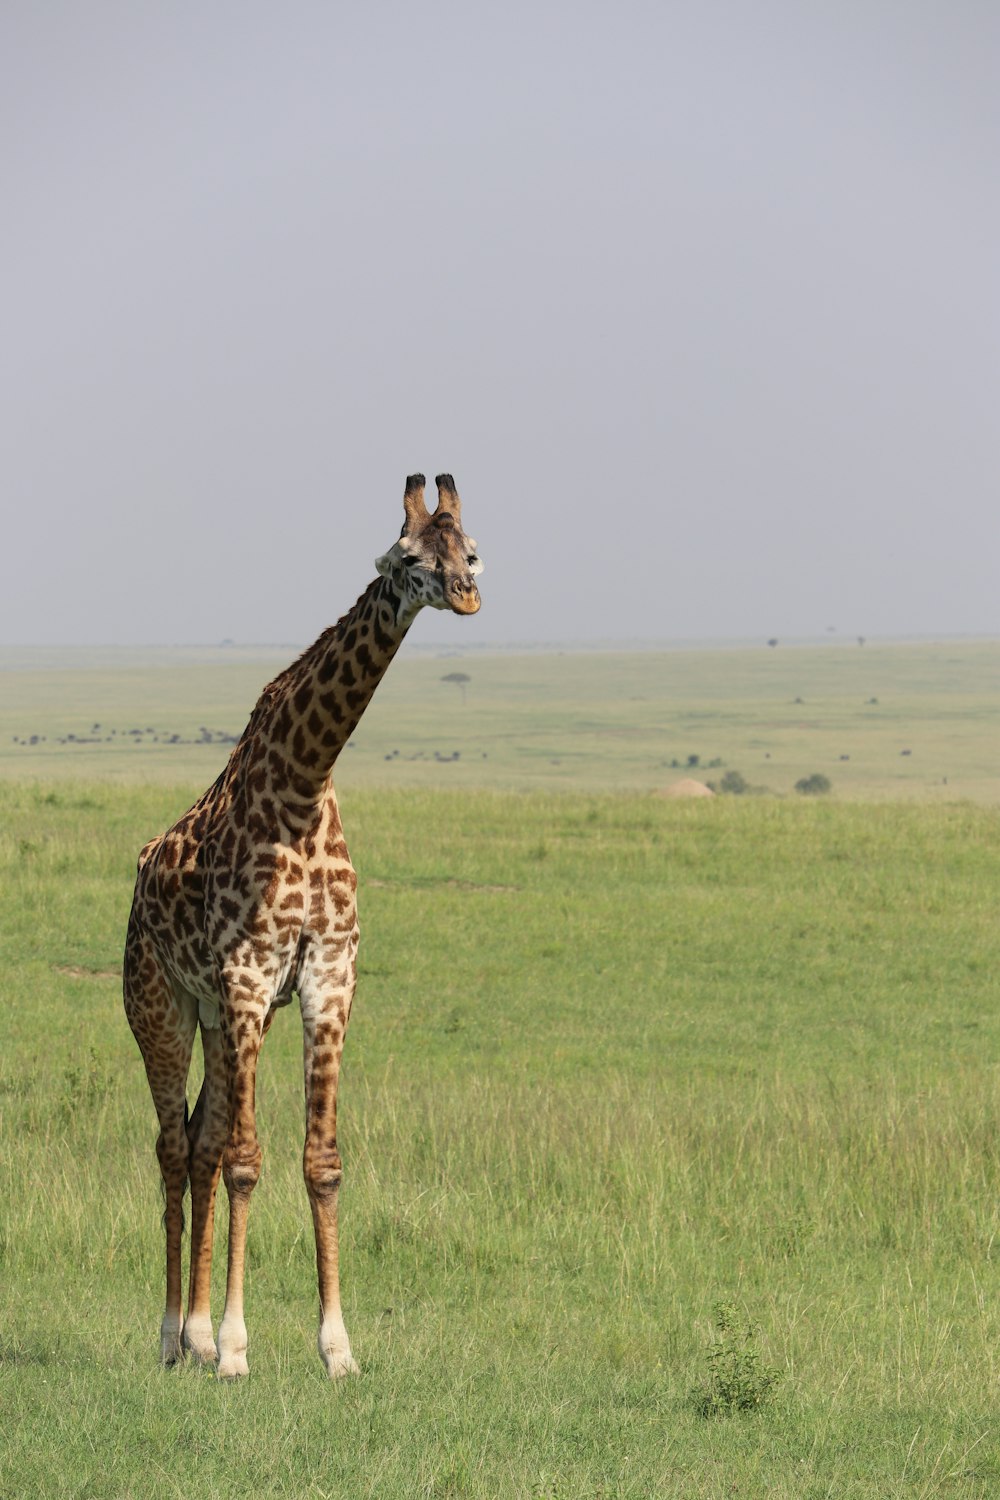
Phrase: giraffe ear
pixel 390 561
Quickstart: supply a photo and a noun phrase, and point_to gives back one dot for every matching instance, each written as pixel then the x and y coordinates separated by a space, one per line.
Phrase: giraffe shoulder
pixel 147 851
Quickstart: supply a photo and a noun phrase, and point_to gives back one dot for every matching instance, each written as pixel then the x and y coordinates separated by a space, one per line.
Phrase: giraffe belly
pixel 195 974
pixel 203 982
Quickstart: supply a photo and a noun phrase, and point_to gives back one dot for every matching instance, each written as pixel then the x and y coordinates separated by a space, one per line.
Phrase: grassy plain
pixel 613 1059
pixel 602 721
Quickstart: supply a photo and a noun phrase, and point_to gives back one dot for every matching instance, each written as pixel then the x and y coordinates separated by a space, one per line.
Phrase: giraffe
pixel 248 900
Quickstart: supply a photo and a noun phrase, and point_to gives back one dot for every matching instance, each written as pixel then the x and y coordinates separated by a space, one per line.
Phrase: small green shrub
pixel 816 785
pixel 738 1379
pixel 85 1085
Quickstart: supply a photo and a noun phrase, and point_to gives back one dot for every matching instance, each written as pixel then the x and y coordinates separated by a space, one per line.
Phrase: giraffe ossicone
pixel 248 901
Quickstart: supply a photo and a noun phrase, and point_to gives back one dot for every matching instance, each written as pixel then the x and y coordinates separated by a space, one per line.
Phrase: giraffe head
pixel 434 562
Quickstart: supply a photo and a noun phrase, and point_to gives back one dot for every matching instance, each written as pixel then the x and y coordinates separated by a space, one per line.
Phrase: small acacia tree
pixel 460 679
pixel 816 785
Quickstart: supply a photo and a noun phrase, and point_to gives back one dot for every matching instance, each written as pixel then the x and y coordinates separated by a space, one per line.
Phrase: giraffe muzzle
pixel 463 596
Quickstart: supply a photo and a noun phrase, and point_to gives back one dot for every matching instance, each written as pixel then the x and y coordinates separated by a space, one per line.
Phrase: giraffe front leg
pixel 243 1026
pixel 321 1166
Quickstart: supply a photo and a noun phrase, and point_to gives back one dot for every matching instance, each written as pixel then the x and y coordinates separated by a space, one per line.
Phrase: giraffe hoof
pixel 199 1343
pixel 171 1347
pixel 338 1364
pixel 335 1348
pixel 341 1365
pixel 232 1349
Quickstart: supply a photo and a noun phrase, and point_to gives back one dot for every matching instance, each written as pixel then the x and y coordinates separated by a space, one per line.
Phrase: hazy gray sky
pixel 698 301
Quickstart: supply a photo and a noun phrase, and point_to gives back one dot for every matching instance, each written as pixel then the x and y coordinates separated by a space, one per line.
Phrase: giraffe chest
pixel 279 910
pixel 288 899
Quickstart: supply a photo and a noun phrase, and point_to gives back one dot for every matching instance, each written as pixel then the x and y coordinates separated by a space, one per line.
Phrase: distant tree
pixel 773 641
pixel 459 679
pixel 734 783
pixel 861 640
pixel 693 760
pixel 816 785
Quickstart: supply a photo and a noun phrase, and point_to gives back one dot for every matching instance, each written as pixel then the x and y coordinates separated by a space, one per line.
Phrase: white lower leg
pixel 233 1344
pixel 335 1347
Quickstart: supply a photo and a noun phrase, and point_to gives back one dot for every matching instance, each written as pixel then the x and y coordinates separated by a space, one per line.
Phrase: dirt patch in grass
pixel 76 972
pixel 455 885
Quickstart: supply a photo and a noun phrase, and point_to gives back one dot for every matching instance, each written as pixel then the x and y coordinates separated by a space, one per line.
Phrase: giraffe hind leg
pixel 207 1137
pixel 163 1023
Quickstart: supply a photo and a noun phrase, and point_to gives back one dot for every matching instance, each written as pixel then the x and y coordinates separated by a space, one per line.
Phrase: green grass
pixel 614 1061
pixel 601 721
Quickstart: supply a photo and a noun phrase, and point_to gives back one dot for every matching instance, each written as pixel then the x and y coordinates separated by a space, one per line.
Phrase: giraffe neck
pixel 306 716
